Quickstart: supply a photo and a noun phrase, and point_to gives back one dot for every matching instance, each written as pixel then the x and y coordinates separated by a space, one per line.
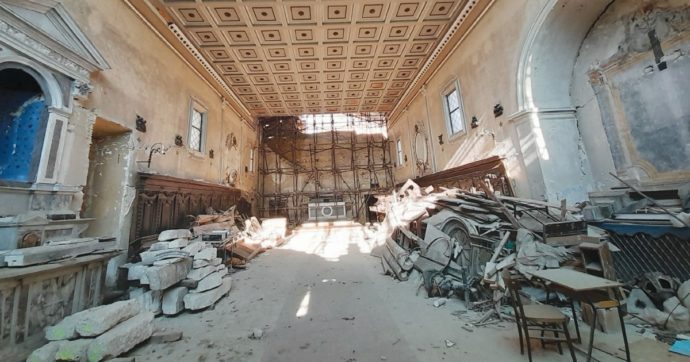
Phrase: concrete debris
pixel 449 343
pixel 168 235
pixel 197 301
pixel 122 338
pixel 440 302
pixel 257 333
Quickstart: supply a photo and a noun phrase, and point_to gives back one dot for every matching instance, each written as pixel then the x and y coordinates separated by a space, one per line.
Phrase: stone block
pixel 148 257
pixel 198 274
pixel 193 248
pixel 100 319
pixel 197 301
pixel 206 254
pixel 200 263
pixel 173 300
pixel 46 353
pixel 164 276
pixel 211 281
pixel 161 245
pixel 135 271
pixel 73 350
pixel 178 243
pixel 122 338
pixel 149 300
pixel 166 261
pixel 221 267
pixel 174 234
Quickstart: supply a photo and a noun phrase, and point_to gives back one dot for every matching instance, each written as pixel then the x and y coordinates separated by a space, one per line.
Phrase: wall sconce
pixel 498 110
pixel 178 141
pixel 140 124
pixel 440 139
pixel 475 122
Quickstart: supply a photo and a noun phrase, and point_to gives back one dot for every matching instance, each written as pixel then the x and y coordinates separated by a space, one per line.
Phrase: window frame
pixel 400 152
pixel 252 155
pixel 195 106
pixel 451 87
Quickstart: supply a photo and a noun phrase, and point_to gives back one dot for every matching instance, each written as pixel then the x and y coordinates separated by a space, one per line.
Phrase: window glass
pixel 454 111
pixel 196 130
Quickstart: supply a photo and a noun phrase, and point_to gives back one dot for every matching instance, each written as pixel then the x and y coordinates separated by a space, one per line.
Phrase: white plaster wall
pixel 148 79
pixel 485 64
pixel 602 43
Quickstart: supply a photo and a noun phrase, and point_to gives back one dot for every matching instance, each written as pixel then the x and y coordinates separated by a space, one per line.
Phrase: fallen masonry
pixel 197 301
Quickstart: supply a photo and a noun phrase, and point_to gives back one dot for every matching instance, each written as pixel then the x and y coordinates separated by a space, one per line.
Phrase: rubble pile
pixel 459 241
pixel 661 301
pixel 178 273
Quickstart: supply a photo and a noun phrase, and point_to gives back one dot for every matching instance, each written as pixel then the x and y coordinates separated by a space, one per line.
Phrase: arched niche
pixel 547 133
pixel 614 74
pixel 33 121
pixel 550 51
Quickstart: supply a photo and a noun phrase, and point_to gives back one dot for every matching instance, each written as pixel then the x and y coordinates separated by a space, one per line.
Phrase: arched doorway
pixel 23 118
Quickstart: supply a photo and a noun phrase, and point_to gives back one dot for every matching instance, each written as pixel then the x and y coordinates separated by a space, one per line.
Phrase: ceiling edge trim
pixel 448 43
pixel 220 87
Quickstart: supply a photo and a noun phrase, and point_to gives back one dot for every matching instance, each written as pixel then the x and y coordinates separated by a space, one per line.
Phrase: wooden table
pixel 583 287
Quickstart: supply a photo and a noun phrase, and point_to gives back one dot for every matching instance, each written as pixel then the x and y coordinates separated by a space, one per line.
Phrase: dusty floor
pixel 322 297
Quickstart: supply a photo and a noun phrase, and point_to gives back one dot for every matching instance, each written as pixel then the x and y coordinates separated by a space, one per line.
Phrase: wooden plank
pixel 45 254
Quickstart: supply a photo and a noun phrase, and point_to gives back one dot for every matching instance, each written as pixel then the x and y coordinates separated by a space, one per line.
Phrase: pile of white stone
pixel 95 334
pixel 178 273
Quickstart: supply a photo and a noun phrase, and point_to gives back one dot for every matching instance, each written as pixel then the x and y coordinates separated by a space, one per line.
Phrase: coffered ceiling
pixel 329 56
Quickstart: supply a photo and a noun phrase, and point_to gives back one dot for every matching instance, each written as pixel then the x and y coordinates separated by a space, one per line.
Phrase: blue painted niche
pixel 23 115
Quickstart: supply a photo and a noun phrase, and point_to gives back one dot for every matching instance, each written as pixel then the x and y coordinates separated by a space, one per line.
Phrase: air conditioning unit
pixel 319 211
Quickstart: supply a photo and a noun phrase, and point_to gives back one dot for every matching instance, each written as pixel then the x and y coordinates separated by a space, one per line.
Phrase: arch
pixel 550 50
pixel 45 79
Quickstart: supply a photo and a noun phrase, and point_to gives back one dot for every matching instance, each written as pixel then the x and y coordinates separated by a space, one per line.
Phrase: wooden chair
pixel 537 318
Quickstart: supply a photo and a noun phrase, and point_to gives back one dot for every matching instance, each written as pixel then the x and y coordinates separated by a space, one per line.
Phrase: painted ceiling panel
pixel 287 57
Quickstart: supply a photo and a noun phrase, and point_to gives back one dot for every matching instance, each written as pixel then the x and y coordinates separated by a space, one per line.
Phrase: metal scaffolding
pixel 333 158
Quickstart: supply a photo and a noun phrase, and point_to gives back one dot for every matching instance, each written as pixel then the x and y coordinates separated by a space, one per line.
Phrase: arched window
pixel 23 119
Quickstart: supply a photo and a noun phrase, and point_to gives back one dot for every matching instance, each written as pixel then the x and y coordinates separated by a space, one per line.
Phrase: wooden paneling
pixel 163 202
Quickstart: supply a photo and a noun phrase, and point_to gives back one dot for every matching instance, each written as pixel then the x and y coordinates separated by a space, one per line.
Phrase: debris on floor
pixel 459 241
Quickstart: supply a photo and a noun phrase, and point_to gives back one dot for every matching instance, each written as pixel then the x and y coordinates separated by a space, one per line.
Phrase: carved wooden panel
pixel 163 202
